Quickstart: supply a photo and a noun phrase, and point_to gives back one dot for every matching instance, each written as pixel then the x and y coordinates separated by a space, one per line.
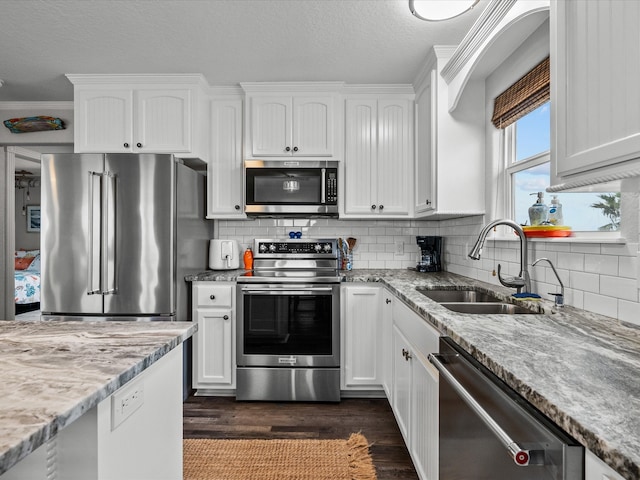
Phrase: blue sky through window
pixel 533 137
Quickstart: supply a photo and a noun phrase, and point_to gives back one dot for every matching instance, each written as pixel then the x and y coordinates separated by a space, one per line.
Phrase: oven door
pixel 288 325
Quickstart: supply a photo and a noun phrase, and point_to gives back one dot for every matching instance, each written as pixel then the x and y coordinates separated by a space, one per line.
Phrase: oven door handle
pixel 520 456
pixel 286 291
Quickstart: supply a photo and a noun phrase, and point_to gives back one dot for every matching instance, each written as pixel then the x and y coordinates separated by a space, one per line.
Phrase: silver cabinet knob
pixel 126 145
pixel 139 145
pixel 212 297
pixel 226 317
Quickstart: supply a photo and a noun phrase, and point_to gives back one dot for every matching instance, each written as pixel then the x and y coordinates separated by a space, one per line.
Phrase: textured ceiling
pixel 229 41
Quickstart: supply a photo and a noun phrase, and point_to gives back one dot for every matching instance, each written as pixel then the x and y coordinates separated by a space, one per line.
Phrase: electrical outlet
pixel 125 402
pixel 399 248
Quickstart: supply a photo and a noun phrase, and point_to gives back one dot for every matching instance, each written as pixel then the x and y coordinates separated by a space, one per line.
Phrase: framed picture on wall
pixel 33 218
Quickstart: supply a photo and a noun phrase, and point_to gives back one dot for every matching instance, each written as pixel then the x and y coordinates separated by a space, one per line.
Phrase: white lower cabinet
pixel 103 444
pixel 415 388
pixel 362 316
pixel 214 361
pixel 596 469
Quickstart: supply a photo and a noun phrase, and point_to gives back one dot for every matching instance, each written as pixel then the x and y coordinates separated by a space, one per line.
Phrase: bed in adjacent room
pixel 27 281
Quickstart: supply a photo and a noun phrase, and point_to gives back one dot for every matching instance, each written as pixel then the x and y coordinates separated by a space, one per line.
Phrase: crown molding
pixel 137 79
pixel 36 105
pixel 223 90
pixel 291 87
pixel 379 89
pixel 480 31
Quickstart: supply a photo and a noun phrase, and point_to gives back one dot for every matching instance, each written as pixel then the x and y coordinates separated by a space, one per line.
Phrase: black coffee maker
pixel 430 257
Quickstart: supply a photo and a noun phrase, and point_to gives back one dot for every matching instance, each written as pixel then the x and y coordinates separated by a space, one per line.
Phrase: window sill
pixel 581 237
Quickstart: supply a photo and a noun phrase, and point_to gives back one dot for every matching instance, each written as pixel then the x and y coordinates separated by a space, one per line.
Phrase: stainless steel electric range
pixel 288 333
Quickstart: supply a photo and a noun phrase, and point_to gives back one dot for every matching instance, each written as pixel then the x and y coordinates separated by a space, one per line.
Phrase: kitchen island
pixel 60 384
pixel 579 368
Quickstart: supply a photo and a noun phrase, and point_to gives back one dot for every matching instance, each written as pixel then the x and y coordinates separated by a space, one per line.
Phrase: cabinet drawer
pixel 213 295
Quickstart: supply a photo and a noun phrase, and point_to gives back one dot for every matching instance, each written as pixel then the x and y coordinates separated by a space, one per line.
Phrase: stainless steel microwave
pixel 291 188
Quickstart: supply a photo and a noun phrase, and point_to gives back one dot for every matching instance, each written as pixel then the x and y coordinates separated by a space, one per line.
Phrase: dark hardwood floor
pixel 223 417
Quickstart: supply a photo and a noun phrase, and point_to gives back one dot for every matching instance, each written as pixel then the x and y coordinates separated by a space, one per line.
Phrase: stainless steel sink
pixel 474 301
pixel 466 296
pixel 489 308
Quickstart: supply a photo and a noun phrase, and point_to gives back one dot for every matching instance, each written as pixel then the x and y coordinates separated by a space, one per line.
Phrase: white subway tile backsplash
pixel 629 312
pixel 604 264
pixel 593 248
pixel 588 282
pixel 601 304
pixel 622 288
pixel 628 267
pixel 571 261
pixel 602 278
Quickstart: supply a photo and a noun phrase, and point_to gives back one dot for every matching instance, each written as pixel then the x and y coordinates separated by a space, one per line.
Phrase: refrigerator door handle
pixel 94 264
pixel 108 239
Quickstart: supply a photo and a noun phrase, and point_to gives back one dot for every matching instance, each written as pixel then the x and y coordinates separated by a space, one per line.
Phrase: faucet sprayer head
pixel 476 251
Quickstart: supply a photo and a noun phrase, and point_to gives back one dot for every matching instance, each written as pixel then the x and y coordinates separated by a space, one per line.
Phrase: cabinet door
pixel 313 126
pixel 362 359
pixel 402 378
pixel 595 86
pixel 103 120
pixel 163 121
pixel 214 349
pixel 424 417
pixel 395 172
pixel 224 179
pixel 425 178
pixel 271 126
pixel 386 344
pixel 596 469
pixel 361 174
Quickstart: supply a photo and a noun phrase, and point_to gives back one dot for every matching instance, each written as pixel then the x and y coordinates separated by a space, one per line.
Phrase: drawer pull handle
pixel 212 297
pixel 226 317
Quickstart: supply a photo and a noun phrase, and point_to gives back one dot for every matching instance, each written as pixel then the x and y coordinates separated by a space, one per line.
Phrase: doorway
pixel 21 195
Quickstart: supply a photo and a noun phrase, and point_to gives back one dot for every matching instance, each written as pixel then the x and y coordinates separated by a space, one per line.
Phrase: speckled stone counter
pixel 582 370
pixel 215 276
pixel 54 372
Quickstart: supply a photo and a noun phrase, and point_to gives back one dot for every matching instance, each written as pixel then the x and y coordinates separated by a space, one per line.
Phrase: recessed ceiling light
pixel 437 10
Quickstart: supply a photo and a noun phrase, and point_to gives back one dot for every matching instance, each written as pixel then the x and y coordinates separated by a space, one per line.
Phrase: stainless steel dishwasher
pixel 488 431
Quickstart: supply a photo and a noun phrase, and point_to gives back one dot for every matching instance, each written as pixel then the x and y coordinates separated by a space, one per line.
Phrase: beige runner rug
pixel 206 459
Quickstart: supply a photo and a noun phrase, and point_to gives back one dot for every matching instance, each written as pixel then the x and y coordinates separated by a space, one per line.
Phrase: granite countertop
pixel 579 368
pixel 53 372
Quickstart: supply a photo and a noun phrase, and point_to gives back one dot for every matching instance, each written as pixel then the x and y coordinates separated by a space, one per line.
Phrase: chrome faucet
pixel 559 297
pixel 522 280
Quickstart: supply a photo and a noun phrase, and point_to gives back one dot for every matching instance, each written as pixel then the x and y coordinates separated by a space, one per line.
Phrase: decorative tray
pixel 540 231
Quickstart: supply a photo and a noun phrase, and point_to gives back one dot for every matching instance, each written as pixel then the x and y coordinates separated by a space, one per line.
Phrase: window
pixel 528 172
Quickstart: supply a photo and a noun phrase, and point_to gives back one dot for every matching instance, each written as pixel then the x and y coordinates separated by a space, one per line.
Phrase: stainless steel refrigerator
pixel 119 233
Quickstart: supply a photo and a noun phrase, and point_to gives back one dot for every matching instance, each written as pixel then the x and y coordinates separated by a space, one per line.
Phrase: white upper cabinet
pixel 595 73
pixel 225 192
pixel 291 120
pixel 139 114
pixel 378 157
pixel 449 157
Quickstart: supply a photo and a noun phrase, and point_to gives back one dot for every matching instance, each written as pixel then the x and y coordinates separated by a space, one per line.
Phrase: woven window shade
pixel 524 96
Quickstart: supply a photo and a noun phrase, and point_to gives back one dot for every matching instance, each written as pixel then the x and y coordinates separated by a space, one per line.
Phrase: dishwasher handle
pixel 520 456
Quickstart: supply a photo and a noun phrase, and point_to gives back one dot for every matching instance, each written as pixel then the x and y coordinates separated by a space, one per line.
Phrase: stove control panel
pixel 286 248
